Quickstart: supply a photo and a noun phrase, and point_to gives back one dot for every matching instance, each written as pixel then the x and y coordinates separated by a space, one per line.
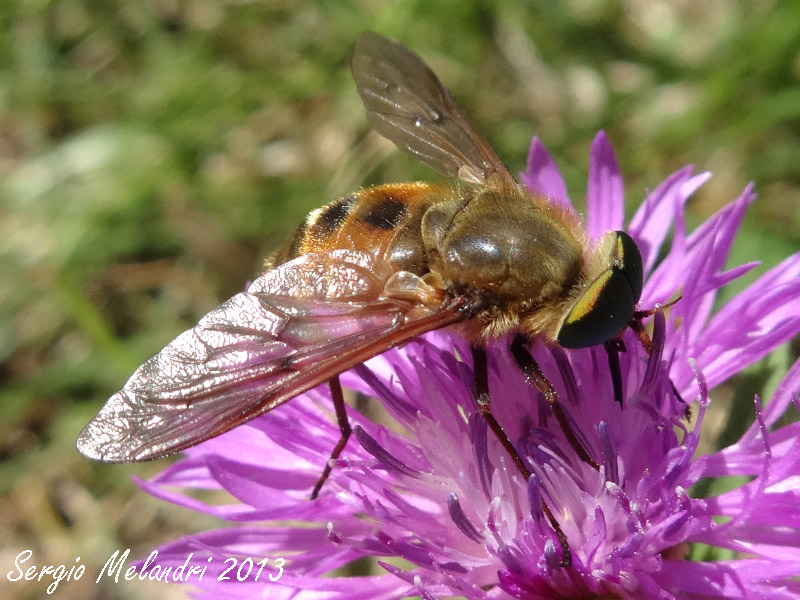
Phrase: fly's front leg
pixel 613 348
pixel 344 429
pixel 534 375
pixel 638 328
pixel 481 373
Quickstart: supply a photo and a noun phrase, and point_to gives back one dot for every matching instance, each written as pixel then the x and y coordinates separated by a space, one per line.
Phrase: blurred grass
pixel 152 153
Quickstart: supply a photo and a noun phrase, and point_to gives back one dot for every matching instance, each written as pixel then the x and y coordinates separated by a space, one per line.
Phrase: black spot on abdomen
pixel 334 214
pixel 386 213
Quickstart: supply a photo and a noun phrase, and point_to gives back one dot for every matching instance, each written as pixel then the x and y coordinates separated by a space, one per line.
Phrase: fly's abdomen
pixel 383 221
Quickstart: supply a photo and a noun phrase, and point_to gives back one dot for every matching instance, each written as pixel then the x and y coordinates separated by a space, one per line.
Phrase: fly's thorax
pixel 506 244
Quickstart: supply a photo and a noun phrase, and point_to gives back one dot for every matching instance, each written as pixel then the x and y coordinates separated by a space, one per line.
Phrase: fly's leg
pixel 638 328
pixel 344 429
pixel 484 406
pixel 534 375
pixel 481 371
pixel 613 348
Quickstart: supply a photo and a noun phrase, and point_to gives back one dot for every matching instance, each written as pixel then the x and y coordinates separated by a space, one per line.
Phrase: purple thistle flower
pixel 438 491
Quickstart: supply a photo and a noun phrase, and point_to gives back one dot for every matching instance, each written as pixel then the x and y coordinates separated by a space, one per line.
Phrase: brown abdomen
pixel 383 220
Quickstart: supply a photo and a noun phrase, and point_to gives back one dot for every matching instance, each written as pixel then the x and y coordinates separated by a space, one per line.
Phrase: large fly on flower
pixel 380 267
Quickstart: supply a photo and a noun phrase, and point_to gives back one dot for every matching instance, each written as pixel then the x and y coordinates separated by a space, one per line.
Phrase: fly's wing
pixel 407 104
pixel 294 328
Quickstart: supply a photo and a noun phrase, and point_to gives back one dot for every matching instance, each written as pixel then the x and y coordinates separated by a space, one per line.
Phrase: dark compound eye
pixel 628 260
pixel 607 305
pixel 600 313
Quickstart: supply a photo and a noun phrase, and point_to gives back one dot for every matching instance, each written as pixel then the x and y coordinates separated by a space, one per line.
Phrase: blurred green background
pixel 153 153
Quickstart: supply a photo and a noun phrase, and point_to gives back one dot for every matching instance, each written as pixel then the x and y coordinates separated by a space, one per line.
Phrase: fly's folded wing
pixel 407 104
pixel 295 327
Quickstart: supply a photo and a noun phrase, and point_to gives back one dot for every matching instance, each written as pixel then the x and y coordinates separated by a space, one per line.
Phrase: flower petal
pixel 543 177
pixel 605 198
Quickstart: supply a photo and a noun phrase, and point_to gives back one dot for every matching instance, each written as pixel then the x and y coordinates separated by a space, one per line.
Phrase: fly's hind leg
pixel 481 373
pixel 344 429
pixel 484 406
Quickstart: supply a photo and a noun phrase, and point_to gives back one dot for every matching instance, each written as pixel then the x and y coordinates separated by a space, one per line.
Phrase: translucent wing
pixel 294 328
pixel 407 104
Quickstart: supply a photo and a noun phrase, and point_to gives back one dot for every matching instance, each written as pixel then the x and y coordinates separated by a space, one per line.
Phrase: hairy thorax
pixel 521 253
